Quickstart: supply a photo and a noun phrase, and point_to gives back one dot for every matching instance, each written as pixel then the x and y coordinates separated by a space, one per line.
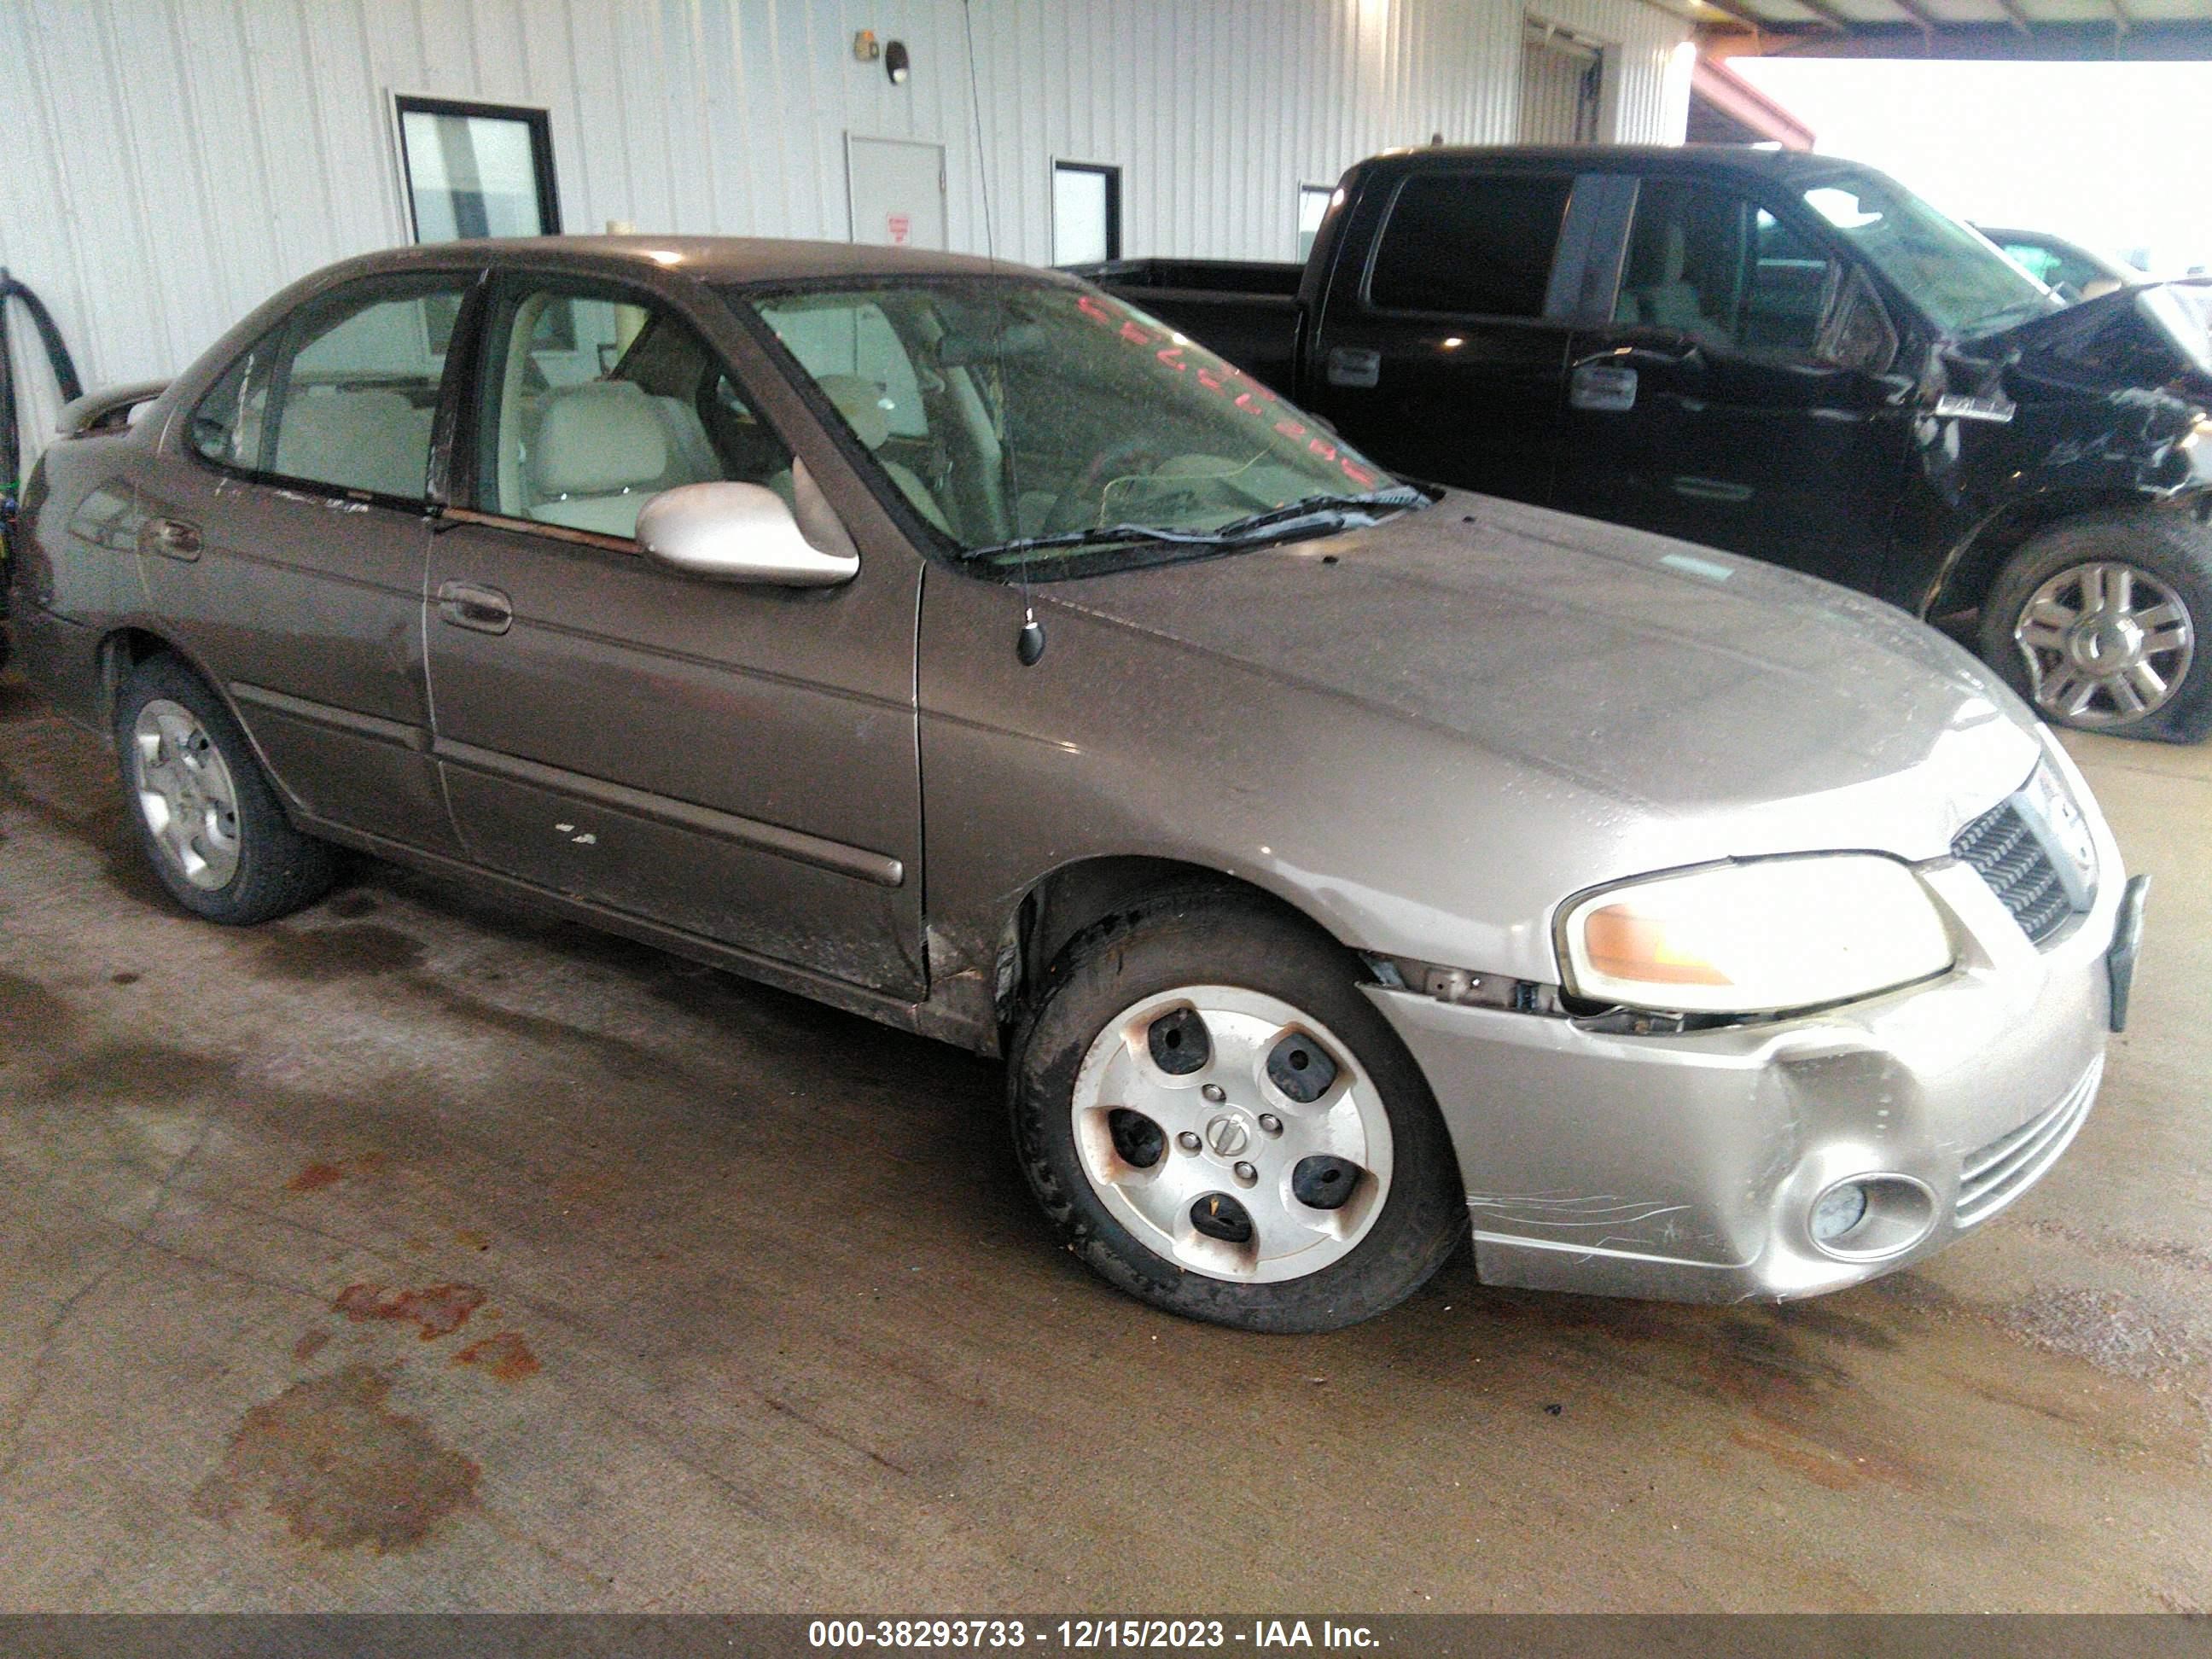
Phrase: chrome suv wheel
pixel 2094 621
pixel 2106 643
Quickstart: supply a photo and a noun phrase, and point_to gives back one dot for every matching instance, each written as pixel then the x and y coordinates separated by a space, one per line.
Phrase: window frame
pixel 1546 313
pixel 538 120
pixel 279 339
pixel 1111 171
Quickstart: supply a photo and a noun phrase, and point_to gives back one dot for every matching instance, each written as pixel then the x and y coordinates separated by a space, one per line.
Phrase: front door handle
pixel 466 604
pixel 173 539
pixel 1605 386
pixel 1355 366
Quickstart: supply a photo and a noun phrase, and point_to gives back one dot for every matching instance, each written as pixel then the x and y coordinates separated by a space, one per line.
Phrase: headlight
pixel 1757 938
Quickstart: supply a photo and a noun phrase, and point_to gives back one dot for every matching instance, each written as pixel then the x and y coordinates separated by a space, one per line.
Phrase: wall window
pixel 1479 247
pixel 1313 205
pixel 1086 213
pixel 476 170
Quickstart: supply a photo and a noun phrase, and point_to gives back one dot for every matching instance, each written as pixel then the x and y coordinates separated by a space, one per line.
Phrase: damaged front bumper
pixel 1687 1167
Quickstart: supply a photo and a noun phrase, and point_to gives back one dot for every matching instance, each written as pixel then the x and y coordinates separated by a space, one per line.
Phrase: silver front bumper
pixel 1684 1168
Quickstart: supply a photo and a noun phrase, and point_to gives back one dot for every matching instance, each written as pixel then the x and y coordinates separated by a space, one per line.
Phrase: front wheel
pixel 2098 622
pixel 1220 1123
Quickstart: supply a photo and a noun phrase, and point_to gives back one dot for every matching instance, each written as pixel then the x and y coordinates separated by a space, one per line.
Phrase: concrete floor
pixel 416 1254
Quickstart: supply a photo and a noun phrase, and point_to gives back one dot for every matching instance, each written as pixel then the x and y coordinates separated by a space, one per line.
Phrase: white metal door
pixel 896 186
pixel 1562 80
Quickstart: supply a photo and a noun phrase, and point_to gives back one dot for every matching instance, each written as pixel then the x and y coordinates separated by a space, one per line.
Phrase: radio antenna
pixel 1029 645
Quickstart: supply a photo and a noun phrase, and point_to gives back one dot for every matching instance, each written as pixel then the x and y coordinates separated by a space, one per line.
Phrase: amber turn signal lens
pixel 1628 945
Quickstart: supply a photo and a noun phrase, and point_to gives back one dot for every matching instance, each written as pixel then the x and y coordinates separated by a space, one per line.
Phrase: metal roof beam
pixel 1919 14
pixel 1828 15
pixel 2020 19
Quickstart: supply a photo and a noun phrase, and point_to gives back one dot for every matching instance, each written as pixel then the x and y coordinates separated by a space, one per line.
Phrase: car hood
pixel 1692 704
pixel 2148 336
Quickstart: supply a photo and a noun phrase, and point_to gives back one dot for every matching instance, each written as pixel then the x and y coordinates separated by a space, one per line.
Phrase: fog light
pixel 1870 1218
pixel 1840 1209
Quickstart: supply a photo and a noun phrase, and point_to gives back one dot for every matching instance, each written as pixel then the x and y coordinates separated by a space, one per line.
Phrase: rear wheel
pixel 1221 1123
pixel 205 816
pixel 2099 624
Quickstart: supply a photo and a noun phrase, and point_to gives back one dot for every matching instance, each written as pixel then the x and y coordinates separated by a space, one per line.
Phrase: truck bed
pixel 1245 309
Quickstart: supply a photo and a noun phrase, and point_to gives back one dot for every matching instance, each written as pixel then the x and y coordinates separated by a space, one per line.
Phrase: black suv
pixel 1786 355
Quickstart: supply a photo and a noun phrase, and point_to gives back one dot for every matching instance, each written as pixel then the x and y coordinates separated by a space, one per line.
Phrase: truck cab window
pixel 1469 246
pixel 1712 265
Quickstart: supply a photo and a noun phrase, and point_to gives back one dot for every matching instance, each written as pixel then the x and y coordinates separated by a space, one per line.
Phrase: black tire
pixel 2174 550
pixel 279 870
pixel 1212 937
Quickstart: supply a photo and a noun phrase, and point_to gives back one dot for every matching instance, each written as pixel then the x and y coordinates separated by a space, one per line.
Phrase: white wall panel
pixel 168 163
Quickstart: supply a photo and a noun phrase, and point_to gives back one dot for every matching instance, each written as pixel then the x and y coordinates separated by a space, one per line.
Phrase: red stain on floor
pixel 440 1309
pixel 316 1176
pixel 309 1346
pixel 340 1468
pixel 507 1357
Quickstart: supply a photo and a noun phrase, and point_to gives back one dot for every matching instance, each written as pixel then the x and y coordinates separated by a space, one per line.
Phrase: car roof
pixel 705 259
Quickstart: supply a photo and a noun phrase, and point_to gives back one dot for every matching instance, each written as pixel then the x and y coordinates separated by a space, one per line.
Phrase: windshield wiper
pixel 1311 514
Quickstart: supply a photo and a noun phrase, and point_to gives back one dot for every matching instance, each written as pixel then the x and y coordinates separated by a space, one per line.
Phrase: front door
pixel 1736 397
pixel 734 762
pixel 291 557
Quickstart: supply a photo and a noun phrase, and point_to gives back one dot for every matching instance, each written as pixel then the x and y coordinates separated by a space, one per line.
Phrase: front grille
pixel 1998 1173
pixel 2008 855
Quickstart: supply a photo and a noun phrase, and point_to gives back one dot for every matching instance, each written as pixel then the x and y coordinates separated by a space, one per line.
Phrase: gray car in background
pixel 1336 862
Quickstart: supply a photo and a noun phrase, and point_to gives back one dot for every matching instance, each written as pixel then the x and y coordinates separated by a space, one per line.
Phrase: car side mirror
pixel 737 532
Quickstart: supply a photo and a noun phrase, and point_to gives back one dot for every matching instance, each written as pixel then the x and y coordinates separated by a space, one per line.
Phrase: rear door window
pixel 358 385
pixel 1468 245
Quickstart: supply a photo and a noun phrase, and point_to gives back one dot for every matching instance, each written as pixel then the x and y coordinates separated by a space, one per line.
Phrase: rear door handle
pixel 1354 366
pixel 465 604
pixel 1607 387
pixel 173 539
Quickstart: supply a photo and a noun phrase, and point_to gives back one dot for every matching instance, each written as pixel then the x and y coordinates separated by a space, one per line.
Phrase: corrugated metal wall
pixel 170 162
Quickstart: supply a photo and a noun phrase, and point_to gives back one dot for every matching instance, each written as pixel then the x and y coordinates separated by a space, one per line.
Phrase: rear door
pixel 1443 356
pixel 1736 393
pixel 735 762
pixel 286 542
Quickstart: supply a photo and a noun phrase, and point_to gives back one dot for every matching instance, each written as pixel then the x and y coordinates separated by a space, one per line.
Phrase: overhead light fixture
pixel 896 63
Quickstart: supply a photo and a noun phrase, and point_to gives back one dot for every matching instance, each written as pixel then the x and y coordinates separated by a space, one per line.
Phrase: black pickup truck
pixel 1784 355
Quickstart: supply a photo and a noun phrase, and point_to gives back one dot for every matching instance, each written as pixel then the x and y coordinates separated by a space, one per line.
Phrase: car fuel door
pixel 1735 396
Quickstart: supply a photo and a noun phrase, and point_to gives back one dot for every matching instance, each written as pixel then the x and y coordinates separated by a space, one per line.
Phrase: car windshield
pixel 1040 422
pixel 1952 272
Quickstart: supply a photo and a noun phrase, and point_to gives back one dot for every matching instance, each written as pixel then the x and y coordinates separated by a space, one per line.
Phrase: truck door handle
pixel 173 539
pixel 486 610
pixel 1354 366
pixel 1606 388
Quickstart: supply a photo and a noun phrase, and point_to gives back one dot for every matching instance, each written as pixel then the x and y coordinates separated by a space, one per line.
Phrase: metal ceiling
pixel 2085 29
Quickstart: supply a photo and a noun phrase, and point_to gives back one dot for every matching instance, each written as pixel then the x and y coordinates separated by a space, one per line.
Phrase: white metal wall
pixel 170 162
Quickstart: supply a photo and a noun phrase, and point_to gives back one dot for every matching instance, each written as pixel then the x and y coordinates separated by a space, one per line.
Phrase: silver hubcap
pixel 2104 643
pixel 1232 1134
pixel 185 790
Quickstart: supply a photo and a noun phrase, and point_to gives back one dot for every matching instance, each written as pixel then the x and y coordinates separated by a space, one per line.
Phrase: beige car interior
pixel 860 401
pixel 589 456
pixel 371 440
